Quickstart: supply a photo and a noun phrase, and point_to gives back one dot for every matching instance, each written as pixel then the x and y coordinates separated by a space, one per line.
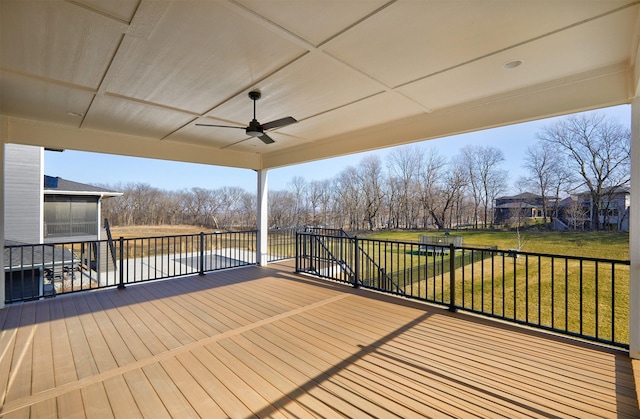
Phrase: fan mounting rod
pixel 254 129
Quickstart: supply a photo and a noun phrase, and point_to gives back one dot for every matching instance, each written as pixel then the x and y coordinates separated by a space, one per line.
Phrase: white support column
pixel 634 234
pixel 2 142
pixel 263 226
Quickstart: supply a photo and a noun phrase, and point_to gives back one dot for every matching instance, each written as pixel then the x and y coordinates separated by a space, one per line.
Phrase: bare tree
pixel 430 177
pixel 453 185
pixel 348 198
pixel 485 177
pixel 404 164
pixel 298 187
pixel 370 178
pixel 548 174
pixel 325 199
pixel 315 195
pixel 280 208
pixel 598 150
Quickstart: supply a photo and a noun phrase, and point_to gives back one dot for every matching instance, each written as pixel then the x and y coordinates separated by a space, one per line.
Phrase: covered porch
pixel 266 342
pixel 138 78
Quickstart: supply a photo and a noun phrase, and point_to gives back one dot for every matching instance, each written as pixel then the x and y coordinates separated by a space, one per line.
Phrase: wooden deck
pixel 265 342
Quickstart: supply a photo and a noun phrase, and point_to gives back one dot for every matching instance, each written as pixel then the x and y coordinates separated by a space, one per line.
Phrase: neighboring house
pixel 42 209
pixel 71 210
pixel 517 208
pixel 614 210
pixel 45 209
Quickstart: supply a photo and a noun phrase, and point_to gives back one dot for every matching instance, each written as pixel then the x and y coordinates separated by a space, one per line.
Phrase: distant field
pixel 608 245
pixel 153 231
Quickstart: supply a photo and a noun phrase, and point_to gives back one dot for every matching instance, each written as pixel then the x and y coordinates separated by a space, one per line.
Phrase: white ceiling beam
pixel 636 65
pixel 30 132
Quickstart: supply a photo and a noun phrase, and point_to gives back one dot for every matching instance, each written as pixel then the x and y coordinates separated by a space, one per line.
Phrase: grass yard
pixel 607 245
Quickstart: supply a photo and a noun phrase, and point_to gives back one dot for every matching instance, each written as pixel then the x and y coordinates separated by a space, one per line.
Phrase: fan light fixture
pixel 254 129
pixel 512 64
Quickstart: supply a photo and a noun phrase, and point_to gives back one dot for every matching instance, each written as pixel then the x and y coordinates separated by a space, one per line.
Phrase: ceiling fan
pixel 255 128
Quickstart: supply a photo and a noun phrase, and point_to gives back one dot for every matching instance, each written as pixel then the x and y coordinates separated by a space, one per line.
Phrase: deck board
pixel 121 400
pixel 19 383
pixel 96 401
pixel 43 376
pixel 263 341
pixel 202 403
pixel 145 396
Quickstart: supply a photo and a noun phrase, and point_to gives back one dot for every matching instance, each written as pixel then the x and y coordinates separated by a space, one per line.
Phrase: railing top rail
pixel 209 233
pixel 52 244
pixel 333 236
pixel 549 255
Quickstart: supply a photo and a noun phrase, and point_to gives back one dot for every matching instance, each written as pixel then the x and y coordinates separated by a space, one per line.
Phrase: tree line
pixel 411 188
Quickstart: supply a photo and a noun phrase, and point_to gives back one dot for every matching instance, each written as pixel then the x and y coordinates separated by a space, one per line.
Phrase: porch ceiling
pixel 133 77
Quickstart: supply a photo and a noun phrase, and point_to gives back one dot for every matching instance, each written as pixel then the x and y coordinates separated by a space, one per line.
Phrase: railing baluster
pixel 539 290
pixel 356 259
pixel 553 295
pixel 526 288
pixel 581 302
pixel 613 303
pixel 597 302
pixel 121 282
pixel 201 253
pixel 452 278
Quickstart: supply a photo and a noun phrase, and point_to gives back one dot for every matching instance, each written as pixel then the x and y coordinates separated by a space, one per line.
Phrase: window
pixel 70 216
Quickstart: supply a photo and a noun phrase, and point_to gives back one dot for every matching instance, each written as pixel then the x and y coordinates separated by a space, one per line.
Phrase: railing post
pixel 121 255
pixel 452 278
pixel 356 264
pixel 201 253
pixel 312 253
pixel 296 250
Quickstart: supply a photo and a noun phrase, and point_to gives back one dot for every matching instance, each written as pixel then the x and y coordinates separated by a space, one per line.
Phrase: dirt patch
pixel 153 231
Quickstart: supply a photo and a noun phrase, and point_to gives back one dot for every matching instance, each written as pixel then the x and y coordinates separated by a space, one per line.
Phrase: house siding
pixel 23 187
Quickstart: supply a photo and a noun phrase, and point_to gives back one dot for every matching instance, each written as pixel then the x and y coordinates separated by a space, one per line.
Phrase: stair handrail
pixel 112 246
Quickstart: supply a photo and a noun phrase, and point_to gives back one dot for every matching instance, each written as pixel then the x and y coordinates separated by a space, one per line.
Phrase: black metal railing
pixel 45 270
pixel 326 231
pixel 281 242
pixel 577 296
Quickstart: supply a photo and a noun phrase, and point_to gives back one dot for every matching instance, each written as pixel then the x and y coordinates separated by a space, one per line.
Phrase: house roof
pixel 18 255
pixel 521 196
pixel 567 202
pixel 60 186
pixel 517 205
pixel 621 190
pixel 134 78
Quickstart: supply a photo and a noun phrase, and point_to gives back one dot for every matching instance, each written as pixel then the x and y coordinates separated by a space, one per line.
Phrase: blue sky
pixel 97 168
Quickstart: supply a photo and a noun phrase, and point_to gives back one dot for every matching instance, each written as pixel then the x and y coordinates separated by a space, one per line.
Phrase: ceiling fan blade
pixel 266 139
pixel 219 126
pixel 279 123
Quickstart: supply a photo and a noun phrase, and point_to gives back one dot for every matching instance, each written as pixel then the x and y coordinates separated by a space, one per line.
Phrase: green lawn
pixel 607 245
